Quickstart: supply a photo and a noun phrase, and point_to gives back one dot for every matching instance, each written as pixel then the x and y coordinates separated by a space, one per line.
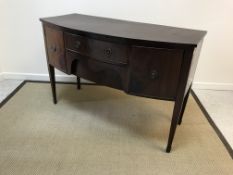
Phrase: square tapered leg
pixel 52 82
pixel 78 83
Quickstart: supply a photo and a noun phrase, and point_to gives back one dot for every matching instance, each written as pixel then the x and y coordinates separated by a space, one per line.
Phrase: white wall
pixel 0 65
pixel 22 52
pixel 1 75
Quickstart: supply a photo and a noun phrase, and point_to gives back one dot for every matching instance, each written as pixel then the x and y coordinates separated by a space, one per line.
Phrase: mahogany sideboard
pixel 148 60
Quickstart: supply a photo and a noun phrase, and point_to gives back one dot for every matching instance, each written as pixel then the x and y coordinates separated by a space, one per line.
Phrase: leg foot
pixel 168 149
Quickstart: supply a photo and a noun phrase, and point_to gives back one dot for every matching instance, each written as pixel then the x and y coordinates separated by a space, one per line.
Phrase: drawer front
pixel 100 50
pixel 55 48
pixel 99 72
pixel 154 72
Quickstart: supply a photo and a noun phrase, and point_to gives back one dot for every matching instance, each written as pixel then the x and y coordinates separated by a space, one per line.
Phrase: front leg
pixel 175 118
pixel 52 82
pixel 188 54
pixel 78 83
pixel 184 106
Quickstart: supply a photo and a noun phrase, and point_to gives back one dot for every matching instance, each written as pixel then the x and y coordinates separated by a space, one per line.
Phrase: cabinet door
pixel 154 72
pixel 55 48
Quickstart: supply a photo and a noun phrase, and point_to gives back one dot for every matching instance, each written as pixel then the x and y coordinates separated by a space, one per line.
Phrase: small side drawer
pixel 108 52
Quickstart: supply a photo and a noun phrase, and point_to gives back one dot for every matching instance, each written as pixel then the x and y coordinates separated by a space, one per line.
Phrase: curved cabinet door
pixel 154 72
pixel 55 48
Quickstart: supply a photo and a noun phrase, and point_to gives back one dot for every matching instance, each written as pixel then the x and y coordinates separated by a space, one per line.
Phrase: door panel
pixel 154 72
pixel 55 48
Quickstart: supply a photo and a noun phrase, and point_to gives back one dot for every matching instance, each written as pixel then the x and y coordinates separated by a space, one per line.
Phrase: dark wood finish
pixel 180 96
pixel 154 72
pixel 55 48
pixel 141 59
pixel 193 65
pixel 184 105
pixel 127 29
pixel 52 81
pixel 104 51
pixel 78 83
pixel 99 72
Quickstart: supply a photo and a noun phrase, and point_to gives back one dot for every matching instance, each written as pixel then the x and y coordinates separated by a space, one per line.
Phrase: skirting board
pixel 70 78
pixel 213 86
pixel 1 77
pixel 40 77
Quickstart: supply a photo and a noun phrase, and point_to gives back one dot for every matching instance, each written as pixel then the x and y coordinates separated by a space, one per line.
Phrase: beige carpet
pixel 102 131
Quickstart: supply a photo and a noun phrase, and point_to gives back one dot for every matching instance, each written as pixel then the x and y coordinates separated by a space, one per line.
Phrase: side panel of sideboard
pixel 196 55
pixel 55 48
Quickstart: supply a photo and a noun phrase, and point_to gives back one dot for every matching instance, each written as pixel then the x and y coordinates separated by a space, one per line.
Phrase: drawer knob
pixel 53 48
pixel 77 44
pixel 108 52
pixel 154 74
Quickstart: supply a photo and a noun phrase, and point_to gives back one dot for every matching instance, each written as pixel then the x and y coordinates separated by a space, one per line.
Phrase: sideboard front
pixel 138 70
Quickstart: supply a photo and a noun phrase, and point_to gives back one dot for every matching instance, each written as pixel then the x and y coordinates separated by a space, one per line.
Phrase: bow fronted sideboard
pixel 148 60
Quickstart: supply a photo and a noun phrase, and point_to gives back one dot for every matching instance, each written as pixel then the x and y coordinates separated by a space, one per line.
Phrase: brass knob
pixel 53 48
pixel 154 74
pixel 108 52
pixel 77 44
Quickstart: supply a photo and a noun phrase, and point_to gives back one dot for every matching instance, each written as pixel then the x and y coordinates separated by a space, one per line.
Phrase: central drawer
pixel 108 52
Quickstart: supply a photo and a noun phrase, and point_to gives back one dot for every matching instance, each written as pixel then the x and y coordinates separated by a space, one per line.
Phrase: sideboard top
pixel 127 29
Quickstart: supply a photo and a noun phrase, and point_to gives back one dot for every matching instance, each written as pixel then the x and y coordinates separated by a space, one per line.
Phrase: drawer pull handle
pixel 53 48
pixel 108 52
pixel 77 44
pixel 154 74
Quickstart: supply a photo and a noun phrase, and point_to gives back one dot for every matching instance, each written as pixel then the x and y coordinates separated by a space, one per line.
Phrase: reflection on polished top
pixel 127 29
